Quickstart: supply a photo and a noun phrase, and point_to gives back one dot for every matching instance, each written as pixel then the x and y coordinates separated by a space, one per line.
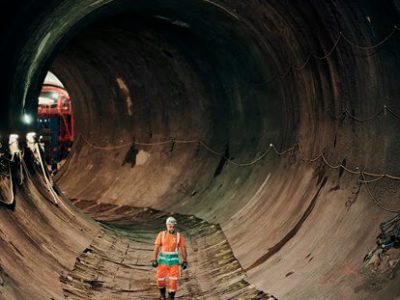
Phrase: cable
pixel 279 153
pixel 285 151
pixel 373 46
pixel 355 172
pixel 252 162
pixel 382 175
pixel 325 160
pixel 304 64
pixel 328 164
pixel 392 112
pixel 108 148
pixel 375 200
pixel 271 146
pixel 364 120
pixel 172 140
pixel 152 144
pixel 330 51
pixel 313 159
pixel 371 180
pixel 346 113
pixel 363 180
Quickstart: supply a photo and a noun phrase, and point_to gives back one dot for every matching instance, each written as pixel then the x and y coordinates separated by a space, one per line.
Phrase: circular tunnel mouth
pixel 176 107
pixel 170 90
pixel 158 99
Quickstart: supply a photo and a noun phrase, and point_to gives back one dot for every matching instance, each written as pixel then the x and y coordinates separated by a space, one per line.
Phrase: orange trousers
pixel 170 272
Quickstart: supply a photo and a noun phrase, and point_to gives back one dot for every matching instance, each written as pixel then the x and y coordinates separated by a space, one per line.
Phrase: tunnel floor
pixel 116 265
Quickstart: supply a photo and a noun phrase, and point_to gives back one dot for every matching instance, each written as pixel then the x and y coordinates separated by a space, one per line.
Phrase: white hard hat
pixel 30 137
pixel 171 221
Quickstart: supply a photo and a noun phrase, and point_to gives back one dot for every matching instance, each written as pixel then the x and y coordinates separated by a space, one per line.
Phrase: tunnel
pixel 269 129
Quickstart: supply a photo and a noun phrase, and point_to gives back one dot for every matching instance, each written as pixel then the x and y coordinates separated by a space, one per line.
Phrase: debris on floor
pixel 384 259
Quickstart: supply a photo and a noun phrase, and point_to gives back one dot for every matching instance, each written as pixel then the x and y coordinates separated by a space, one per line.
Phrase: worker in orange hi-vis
pixel 167 247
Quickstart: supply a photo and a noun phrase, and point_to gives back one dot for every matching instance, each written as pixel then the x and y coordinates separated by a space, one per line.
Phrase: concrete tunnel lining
pixel 213 89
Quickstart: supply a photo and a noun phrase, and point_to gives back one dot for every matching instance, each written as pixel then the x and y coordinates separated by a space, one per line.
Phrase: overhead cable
pixel 395 28
pixel 346 113
pixel 341 35
pixel 320 156
pixel 377 202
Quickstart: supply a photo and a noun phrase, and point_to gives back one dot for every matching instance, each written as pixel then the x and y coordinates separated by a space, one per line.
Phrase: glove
pixel 154 263
pixel 184 265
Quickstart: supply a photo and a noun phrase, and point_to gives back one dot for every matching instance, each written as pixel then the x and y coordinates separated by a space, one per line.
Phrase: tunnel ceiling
pixel 275 119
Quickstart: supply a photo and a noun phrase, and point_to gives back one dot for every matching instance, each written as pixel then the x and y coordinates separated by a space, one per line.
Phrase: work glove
pixel 154 263
pixel 184 265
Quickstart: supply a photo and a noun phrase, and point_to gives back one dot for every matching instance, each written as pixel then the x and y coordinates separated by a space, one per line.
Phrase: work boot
pixel 162 294
pixel 171 295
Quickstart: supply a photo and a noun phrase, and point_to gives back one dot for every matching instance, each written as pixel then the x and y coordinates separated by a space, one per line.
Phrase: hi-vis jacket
pixel 169 244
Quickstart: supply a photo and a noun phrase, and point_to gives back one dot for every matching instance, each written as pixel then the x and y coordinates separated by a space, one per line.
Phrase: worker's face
pixel 170 227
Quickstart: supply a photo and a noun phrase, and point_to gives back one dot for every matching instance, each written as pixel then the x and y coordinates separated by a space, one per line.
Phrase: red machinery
pixel 56 122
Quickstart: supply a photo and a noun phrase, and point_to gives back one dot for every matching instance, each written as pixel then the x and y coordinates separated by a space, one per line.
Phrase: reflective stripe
pixel 169 254
pixel 168 259
pixel 173 278
pixel 160 279
pixel 178 236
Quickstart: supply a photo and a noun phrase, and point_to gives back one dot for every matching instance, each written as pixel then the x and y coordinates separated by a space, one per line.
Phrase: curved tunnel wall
pixel 236 77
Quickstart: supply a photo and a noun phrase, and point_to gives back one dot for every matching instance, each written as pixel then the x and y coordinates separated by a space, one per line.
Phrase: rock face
pixel 275 120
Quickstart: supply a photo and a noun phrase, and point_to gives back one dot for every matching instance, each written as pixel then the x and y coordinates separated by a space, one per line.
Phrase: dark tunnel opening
pixel 268 128
pixel 204 93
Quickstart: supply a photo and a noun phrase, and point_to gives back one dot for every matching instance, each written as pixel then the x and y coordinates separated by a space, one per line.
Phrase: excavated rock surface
pixel 176 105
